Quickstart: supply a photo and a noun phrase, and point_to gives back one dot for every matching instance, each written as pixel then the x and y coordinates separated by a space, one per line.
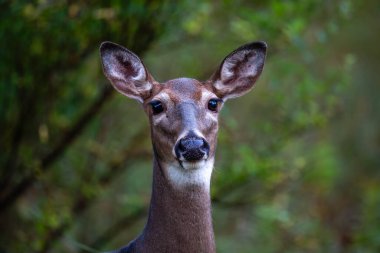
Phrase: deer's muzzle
pixel 192 148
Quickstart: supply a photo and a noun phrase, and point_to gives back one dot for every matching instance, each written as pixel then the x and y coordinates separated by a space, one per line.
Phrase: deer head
pixel 183 112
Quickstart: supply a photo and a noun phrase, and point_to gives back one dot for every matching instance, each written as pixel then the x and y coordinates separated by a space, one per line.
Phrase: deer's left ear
pixel 239 71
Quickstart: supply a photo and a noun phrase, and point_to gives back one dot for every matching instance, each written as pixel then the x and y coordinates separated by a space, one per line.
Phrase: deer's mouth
pixel 193 165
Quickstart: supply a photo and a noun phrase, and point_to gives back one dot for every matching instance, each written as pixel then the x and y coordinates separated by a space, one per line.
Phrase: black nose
pixel 192 148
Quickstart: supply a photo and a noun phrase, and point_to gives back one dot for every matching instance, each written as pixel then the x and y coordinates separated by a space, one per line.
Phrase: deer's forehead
pixel 183 89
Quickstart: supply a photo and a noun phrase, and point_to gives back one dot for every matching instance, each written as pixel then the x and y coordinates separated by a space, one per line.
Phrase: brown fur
pixel 178 221
pixel 179 218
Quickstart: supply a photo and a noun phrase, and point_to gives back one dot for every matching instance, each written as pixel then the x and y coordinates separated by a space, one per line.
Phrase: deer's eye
pixel 213 104
pixel 157 107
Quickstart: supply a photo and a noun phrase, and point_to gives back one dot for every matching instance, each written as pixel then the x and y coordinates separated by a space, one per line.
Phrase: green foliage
pixel 297 160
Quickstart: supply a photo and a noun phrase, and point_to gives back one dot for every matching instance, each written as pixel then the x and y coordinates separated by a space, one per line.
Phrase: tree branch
pixel 26 110
pixel 118 227
pixel 59 149
pixel 83 202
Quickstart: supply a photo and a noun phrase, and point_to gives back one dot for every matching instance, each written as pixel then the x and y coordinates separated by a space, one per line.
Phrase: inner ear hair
pixel 126 71
pixel 239 70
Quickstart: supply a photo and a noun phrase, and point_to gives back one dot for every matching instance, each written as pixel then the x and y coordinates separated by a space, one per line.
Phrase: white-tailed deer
pixel 183 116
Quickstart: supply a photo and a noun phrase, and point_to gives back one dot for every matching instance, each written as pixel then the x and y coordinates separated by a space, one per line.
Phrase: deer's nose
pixel 192 148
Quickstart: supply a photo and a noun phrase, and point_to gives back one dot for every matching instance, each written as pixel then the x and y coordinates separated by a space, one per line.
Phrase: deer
pixel 183 118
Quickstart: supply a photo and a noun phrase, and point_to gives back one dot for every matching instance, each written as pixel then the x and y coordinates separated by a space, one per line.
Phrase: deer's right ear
pixel 126 71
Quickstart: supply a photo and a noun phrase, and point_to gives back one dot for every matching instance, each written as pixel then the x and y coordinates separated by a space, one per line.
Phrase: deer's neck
pixel 179 217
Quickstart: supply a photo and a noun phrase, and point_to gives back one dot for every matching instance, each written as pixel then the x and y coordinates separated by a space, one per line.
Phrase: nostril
pixel 180 146
pixel 206 147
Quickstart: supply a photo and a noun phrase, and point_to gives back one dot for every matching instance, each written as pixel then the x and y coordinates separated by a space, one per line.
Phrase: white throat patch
pixel 198 173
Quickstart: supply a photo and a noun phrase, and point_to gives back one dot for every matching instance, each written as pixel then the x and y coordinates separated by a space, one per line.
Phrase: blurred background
pixel 298 163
